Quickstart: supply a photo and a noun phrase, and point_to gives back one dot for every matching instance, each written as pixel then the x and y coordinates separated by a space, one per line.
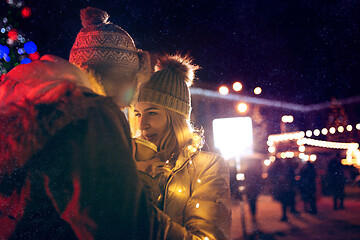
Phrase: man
pixel 66 167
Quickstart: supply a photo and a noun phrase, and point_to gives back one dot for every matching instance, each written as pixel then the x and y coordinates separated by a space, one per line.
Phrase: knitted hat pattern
pixel 101 42
pixel 169 85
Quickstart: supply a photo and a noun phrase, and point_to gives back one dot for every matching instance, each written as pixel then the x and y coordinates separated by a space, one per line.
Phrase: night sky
pixel 296 51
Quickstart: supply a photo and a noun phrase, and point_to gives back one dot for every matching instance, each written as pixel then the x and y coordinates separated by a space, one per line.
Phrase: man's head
pixel 108 54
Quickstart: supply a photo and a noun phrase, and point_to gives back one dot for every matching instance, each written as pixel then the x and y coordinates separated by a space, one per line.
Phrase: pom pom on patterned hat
pixel 100 42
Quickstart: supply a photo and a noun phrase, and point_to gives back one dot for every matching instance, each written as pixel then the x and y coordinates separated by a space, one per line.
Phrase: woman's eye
pixel 137 115
pixel 152 113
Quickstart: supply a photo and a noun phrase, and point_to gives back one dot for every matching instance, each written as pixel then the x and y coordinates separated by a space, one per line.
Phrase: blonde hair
pixel 178 135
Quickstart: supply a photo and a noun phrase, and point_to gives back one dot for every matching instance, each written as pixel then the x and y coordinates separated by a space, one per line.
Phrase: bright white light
pixel 358 126
pixel 312 157
pixel 302 149
pixel 316 132
pixel 272 158
pixel 267 162
pixel 240 177
pixel 324 131
pixel 287 119
pixel 308 133
pixel 341 129
pixel 289 154
pixel 237 86
pixel 271 149
pixel 223 90
pixel 242 107
pixel 349 128
pixel 257 90
pixel 233 136
pixel 332 130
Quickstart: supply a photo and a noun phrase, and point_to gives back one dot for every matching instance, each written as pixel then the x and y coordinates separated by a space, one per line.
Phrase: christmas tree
pixel 15 48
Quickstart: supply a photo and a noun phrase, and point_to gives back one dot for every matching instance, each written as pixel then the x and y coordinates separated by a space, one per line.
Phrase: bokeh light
pixel 257 90
pixel 316 132
pixel 25 61
pixel 242 107
pixel 13 35
pixel 223 90
pixel 237 86
pixel 341 129
pixel 30 47
pixel 308 133
pixel 324 131
pixel 332 130
pixel 26 12
pixel 287 119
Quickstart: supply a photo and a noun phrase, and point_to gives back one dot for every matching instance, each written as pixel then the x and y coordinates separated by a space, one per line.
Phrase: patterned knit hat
pixel 101 42
pixel 169 84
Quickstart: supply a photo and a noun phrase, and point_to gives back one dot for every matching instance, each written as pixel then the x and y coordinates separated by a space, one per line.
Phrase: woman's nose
pixel 144 125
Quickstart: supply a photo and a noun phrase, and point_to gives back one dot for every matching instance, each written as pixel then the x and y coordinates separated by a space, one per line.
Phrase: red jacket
pixel 66 167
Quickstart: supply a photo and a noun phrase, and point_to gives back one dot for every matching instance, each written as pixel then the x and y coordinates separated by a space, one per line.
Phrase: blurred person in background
pixel 307 187
pixel 336 180
pixel 253 185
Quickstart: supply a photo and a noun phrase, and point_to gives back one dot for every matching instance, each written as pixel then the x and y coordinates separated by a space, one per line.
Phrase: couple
pixel 67 168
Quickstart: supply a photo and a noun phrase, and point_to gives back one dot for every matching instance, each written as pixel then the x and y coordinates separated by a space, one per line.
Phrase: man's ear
pixel 143 75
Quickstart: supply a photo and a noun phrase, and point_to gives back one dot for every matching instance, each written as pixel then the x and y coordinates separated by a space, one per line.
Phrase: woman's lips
pixel 150 137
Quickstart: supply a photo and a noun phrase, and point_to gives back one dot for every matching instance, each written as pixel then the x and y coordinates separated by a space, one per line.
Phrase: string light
pixel 316 132
pixel 332 130
pixel 324 131
pixel 237 86
pixel 223 90
pixel 308 133
pixel 257 90
pixel 340 129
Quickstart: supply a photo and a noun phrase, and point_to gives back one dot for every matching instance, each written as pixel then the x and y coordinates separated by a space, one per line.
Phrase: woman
pixel 194 199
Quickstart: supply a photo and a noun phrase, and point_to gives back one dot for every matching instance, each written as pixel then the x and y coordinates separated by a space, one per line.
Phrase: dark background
pixel 296 51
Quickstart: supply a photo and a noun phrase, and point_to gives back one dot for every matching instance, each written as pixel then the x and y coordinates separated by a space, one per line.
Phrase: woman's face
pixel 152 121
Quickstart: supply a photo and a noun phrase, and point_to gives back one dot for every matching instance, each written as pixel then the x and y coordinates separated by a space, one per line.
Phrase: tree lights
pixel 14 47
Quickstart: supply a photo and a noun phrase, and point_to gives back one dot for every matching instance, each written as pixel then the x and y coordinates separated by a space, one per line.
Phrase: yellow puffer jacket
pixel 197 198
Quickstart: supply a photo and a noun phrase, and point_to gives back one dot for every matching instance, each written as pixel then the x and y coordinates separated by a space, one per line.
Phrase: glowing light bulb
pixel 302 149
pixel 316 132
pixel 308 133
pixel 242 107
pixel 271 149
pixel 341 129
pixel 223 90
pixel 349 128
pixel 257 90
pixel 332 130
pixel 324 131
pixel 237 86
